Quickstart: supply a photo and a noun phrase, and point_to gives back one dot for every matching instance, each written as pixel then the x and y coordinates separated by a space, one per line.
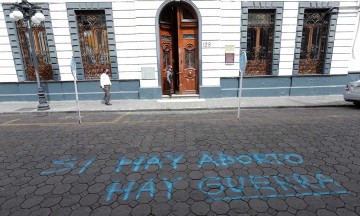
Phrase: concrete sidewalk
pixel 180 104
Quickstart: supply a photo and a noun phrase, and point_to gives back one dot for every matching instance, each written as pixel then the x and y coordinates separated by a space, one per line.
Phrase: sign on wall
pixel 147 73
pixel 206 44
pixel 229 54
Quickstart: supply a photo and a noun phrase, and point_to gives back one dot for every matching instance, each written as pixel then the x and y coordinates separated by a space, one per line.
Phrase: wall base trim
pixel 210 92
pixel 150 93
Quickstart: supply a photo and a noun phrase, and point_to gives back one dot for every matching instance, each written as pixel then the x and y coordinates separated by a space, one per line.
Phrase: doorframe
pixel 157 29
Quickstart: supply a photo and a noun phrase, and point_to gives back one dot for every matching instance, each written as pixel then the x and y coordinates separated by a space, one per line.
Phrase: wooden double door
pixel 179 48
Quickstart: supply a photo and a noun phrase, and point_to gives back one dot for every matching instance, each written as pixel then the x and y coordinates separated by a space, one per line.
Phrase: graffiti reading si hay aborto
pixel 217 187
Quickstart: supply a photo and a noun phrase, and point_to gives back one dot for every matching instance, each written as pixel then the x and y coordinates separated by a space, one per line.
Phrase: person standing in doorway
pixel 105 84
pixel 169 75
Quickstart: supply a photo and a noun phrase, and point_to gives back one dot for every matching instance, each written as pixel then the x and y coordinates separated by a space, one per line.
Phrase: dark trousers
pixel 170 90
pixel 107 94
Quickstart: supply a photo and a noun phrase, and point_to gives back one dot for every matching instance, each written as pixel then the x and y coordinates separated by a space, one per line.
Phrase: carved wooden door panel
pixel 42 50
pixel 188 72
pixel 94 42
pixel 166 54
pixel 188 51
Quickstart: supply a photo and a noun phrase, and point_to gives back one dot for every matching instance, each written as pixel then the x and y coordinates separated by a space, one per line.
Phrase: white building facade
pixel 293 48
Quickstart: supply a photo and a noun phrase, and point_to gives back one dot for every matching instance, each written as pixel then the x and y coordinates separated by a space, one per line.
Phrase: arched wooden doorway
pixel 179 48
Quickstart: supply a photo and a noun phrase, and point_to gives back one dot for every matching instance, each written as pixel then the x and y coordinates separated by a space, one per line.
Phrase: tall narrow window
pixel 313 41
pixel 166 56
pixel 190 57
pixel 41 49
pixel 260 42
pixel 94 42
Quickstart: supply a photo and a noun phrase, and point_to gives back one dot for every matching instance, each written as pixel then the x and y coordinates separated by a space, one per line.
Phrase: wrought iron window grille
pixel 313 41
pixel 94 42
pixel 260 33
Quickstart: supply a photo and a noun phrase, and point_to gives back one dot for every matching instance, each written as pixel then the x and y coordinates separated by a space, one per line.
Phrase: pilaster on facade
pixel 288 37
pixel 62 38
pixel 7 72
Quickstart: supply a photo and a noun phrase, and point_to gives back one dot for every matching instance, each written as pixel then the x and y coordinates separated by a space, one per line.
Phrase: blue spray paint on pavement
pixel 215 187
pixel 147 187
pixel 115 189
pixel 87 165
pixel 69 165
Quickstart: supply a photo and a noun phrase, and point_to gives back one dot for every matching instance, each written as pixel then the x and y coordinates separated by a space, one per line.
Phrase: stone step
pixel 176 96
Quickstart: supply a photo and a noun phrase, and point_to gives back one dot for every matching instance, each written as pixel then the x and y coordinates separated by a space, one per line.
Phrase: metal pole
pixel 239 92
pixel 43 105
pixel 73 71
pixel 77 100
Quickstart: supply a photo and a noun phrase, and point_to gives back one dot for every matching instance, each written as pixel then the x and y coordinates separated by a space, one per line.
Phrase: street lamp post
pixel 30 12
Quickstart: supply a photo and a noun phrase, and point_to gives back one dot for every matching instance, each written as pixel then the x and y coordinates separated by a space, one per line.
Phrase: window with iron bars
pixel 41 50
pixel 93 37
pixel 260 31
pixel 313 41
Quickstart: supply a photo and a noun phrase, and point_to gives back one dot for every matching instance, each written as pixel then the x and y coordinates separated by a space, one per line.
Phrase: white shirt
pixel 104 80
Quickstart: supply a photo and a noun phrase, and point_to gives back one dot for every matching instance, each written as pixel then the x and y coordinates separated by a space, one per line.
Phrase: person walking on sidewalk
pixel 169 75
pixel 105 84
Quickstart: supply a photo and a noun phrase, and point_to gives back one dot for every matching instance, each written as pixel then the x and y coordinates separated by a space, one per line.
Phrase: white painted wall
pixel 211 36
pixel 62 38
pixel 354 65
pixel 7 65
pixel 220 27
pixel 288 35
pixel 344 37
pixel 135 35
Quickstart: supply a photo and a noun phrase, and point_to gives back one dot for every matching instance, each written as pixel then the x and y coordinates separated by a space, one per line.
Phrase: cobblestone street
pixel 271 162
